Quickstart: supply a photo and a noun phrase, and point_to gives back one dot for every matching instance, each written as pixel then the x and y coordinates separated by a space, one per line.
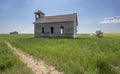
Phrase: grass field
pixel 83 55
pixel 9 63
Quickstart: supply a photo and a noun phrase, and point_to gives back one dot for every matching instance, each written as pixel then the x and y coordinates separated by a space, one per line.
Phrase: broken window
pixel 62 30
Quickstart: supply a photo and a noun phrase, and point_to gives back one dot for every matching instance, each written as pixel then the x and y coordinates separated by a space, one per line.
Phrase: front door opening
pixel 52 30
pixel 42 29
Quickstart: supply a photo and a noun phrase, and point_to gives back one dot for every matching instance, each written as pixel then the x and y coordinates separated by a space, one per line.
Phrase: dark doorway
pixel 42 29
pixel 52 30
pixel 62 30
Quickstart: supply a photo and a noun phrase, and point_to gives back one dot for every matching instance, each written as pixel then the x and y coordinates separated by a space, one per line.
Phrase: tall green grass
pixel 9 63
pixel 83 55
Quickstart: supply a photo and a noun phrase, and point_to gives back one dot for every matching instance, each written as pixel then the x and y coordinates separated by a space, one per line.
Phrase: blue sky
pixel 92 14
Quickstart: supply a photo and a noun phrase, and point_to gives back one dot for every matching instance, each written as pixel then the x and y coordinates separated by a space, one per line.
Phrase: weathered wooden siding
pixel 69 29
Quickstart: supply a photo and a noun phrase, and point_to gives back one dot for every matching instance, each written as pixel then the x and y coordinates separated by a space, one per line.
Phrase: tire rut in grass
pixel 38 67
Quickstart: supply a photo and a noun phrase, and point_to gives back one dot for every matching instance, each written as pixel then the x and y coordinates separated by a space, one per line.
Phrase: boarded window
pixel 62 30
pixel 42 29
pixel 52 30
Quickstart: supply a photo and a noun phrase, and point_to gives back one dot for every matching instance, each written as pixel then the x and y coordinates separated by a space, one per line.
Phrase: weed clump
pixel 104 67
pixel 99 34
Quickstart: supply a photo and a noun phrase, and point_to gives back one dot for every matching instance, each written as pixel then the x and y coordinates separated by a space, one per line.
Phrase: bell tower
pixel 39 14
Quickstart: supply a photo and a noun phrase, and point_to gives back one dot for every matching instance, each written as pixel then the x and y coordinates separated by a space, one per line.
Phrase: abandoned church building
pixel 58 25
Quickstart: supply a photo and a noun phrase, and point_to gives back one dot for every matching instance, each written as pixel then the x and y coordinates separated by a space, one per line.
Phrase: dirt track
pixel 38 67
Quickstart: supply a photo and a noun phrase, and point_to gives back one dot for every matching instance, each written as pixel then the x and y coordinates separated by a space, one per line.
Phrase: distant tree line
pixel 15 32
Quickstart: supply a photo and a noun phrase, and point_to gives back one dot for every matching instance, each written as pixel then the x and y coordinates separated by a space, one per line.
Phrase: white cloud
pixel 111 20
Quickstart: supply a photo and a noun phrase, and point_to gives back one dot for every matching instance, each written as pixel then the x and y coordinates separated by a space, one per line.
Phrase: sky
pixel 93 15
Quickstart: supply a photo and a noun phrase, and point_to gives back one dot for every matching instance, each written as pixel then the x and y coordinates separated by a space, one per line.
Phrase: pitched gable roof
pixel 57 18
